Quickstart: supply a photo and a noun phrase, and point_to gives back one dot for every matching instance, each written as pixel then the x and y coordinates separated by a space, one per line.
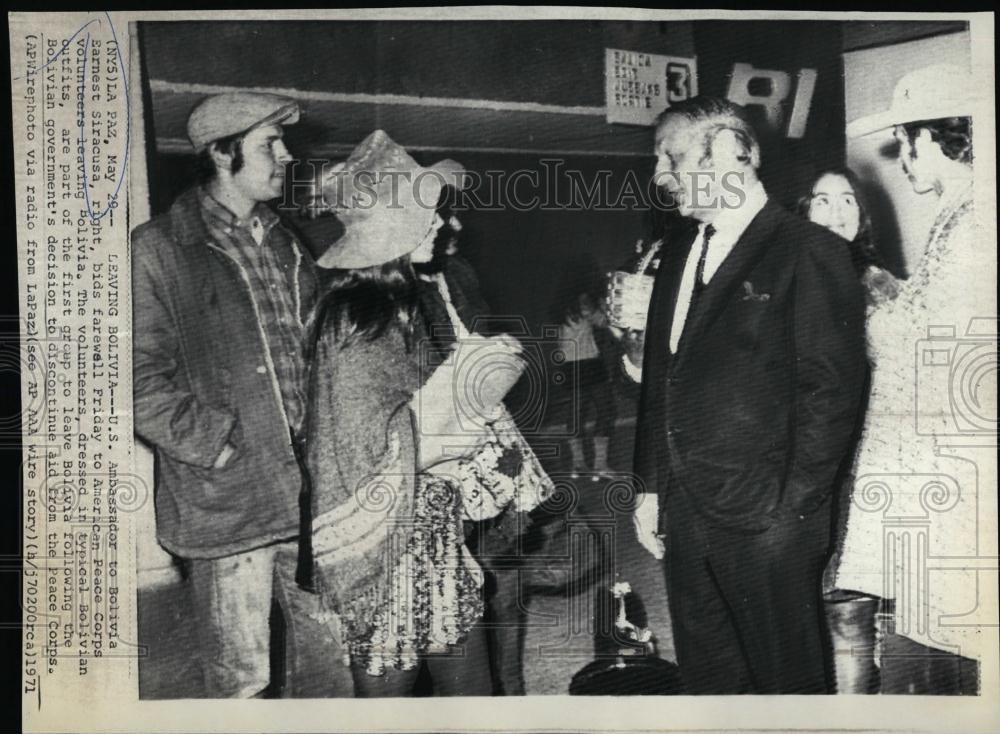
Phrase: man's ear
pixel 730 150
pixel 222 161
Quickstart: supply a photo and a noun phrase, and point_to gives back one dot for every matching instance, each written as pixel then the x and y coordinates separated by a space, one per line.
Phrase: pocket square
pixel 750 295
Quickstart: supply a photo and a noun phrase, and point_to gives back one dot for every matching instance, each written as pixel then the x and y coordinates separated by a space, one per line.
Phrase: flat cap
pixel 222 115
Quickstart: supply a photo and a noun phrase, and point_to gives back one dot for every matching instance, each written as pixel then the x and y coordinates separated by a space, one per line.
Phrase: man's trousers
pixel 747 609
pixel 232 603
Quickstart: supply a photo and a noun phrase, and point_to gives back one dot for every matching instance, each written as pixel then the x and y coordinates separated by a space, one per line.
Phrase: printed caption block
pixel 71 140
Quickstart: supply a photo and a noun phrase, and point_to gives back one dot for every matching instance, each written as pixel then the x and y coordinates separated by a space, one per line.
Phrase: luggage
pixel 629 666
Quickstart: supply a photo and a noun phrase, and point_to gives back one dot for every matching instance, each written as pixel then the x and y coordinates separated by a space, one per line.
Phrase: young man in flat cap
pixel 222 292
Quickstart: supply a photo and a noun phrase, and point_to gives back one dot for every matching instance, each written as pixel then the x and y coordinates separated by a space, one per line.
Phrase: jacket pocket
pixel 749 317
pixel 218 489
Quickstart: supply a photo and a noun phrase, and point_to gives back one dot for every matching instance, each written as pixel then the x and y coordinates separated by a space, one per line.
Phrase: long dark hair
pixel 366 303
pixel 445 236
pixel 863 252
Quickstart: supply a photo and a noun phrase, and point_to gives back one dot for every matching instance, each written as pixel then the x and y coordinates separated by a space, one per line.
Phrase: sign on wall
pixel 639 86
pixel 774 99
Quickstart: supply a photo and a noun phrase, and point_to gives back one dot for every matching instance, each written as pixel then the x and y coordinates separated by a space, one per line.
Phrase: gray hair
pixel 712 115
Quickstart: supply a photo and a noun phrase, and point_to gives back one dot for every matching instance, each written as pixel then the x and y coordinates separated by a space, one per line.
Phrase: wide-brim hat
pixel 222 115
pixel 929 93
pixel 386 201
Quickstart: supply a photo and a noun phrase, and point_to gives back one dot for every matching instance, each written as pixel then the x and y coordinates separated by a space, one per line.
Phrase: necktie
pixel 699 272
pixel 680 328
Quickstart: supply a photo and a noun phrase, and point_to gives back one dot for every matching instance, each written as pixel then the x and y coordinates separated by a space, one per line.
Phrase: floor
pixel 565 626
pixel 590 545
pixel 568 618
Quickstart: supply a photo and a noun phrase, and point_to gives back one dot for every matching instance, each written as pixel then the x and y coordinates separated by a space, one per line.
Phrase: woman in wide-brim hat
pixel 383 432
pixel 910 484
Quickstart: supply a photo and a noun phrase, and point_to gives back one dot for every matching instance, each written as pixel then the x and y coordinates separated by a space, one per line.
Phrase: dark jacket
pixel 754 415
pixel 202 376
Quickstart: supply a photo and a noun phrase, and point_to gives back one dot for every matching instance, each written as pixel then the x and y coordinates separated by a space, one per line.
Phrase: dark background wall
pixel 553 62
pixel 520 255
pixel 788 164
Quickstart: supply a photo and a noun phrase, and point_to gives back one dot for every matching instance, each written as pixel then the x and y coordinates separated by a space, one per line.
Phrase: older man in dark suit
pixel 752 378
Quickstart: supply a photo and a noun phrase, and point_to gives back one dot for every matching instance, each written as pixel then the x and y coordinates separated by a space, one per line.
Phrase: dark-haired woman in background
pixel 835 202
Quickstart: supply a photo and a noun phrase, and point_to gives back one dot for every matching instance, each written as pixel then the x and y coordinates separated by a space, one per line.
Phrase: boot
pixel 601 468
pixel 852 620
pixel 578 463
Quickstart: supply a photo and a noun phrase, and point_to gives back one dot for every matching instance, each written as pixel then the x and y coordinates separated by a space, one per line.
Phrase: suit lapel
pixel 664 298
pixel 748 250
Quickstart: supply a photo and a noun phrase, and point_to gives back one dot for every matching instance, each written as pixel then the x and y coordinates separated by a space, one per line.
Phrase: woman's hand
pixel 880 285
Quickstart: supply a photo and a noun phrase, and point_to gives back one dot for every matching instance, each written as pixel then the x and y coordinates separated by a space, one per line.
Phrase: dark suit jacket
pixel 753 416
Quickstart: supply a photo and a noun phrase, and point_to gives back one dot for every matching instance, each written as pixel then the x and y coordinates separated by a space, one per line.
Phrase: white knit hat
pixel 930 93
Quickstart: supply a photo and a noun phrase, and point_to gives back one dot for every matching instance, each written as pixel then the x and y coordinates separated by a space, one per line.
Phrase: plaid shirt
pixel 252 244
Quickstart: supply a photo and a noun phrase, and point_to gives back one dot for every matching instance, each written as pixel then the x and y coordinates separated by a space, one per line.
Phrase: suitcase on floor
pixel 628 676
pixel 633 667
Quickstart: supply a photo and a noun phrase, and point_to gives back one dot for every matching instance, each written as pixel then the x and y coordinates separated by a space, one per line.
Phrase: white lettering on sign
pixel 775 94
pixel 639 86
pixel 803 101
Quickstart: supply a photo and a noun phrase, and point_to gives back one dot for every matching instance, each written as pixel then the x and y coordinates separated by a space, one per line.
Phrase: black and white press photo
pixel 301 318
pixel 530 357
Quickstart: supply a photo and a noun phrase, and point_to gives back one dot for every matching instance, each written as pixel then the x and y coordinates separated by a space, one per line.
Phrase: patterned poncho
pixel 917 504
pixel 390 562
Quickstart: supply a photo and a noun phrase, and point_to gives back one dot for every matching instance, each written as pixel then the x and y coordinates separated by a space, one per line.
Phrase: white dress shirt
pixel 730 224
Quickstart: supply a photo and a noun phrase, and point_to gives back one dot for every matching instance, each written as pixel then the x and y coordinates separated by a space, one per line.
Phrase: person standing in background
pixel 589 391
pixel 952 285
pixel 835 202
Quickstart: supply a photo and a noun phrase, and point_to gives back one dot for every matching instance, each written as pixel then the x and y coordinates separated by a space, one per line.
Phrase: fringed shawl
pixel 362 458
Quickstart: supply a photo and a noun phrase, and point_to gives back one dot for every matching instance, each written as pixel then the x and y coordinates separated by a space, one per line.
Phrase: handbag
pixel 504 471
